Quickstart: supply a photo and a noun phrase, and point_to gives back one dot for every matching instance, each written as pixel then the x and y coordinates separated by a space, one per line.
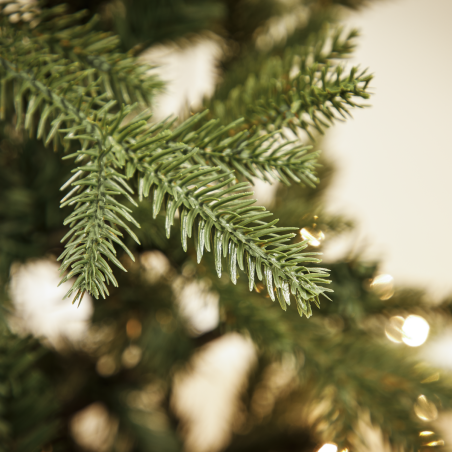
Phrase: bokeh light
pixel 440 442
pixel 106 366
pixel 383 286
pixel 425 409
pixel 415 330
pixel 198 305
pixel 394 330
pixel 94 428
pixel 40 307
pixel 328 447
pixel 313 236
pixel 131 356
pixel 133 328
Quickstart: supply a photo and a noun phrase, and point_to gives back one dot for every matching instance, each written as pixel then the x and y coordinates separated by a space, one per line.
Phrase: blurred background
pixel 203 366
pixel 392 159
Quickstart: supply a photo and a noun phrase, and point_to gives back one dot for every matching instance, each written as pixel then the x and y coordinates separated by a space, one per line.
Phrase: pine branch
pixel 93 224
pixel 169 160
pixel 208 201
pixel 91 237
pixel 329 44
pixel 122 78
pixel 117 74
pixel 302 89
pixel 253 155
pixel 323 46
pixel 227 216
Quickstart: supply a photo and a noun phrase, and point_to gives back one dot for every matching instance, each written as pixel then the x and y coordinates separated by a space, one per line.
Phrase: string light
pixel 415 330
pixel 425 409
pixel 313 236
pixel 328 447
pixel 383 286
pixel 394 329
pixel 440 442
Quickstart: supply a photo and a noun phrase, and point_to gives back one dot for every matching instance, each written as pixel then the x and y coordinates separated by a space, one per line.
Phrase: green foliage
pixel 58 39
pixel 28 406
pixel 343 343
pixel 67 84
pixel 300 89
pixel 340 361
pixel 30 177
pixel 143 23
pixel 166 160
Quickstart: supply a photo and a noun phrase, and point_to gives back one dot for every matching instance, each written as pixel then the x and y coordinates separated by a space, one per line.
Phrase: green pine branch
pixel 230 217
pixel 96 52
pixel 122 78
pixel 302 89
pixel 166 159
pixel 91 235
pixel 269 157
pixel 221 211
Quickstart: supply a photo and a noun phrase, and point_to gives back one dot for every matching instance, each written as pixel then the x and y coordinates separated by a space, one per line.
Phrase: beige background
pixel 395 159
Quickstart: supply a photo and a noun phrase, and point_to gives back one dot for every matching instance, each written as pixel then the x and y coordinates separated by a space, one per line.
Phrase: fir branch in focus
pixel 269 157
pixel 91 237
pixel 221 210
pixel 314 382
pixel 167 159
pixel 235 224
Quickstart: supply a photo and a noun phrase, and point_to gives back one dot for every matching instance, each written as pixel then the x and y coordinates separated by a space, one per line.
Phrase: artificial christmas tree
pixel 67 86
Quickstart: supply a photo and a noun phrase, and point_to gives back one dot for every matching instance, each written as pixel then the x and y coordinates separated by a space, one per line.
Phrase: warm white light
pixel 382 279
pixel 314 238
pixel 425 409
pixel 328 447
pixel 131 356
pixel 426 433
pixel 415 330
pixel 106 366
pixel 94 428
pixel 383 286
pixel 198 304
pixel 394 329
pixel 39 305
